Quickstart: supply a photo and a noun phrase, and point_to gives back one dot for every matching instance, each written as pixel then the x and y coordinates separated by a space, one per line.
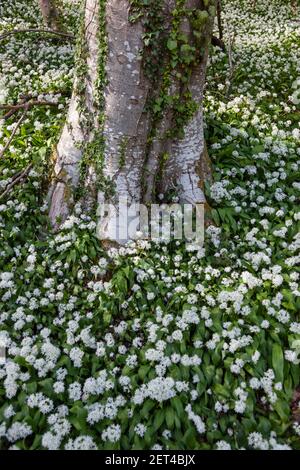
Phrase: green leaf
pixel 147 407
pixel 283 409
pixel 47 386
pixel 189 438
pixel 36 442
pixel 264 426
pixel 31 387
pixel 143 371
pixel 219 389
pixel 79 420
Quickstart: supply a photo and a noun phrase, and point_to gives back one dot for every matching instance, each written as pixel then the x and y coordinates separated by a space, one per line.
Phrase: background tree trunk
pixel 50 14
pixel 135 116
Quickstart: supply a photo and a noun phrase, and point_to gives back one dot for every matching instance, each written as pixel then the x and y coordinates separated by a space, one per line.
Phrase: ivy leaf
pixel 172 44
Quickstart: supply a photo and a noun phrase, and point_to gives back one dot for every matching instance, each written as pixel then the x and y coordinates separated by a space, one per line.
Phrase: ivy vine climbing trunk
pixel 135 124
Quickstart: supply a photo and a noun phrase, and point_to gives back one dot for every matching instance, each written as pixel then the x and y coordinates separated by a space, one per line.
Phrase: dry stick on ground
pixel 16 180
pixel 13 133
pixel 24 99
pixel 34 30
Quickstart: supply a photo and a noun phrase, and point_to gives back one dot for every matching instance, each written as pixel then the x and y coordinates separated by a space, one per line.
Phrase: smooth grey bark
pixel 127 123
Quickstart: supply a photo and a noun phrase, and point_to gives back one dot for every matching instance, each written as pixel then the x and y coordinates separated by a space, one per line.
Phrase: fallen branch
pixel 34 30
pixel 16 179
pixel 13 132
pixel 24 99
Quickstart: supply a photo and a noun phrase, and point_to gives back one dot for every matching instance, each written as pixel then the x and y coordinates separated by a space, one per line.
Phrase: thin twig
pixel 16 180
pixel 34 30
pixel 13 133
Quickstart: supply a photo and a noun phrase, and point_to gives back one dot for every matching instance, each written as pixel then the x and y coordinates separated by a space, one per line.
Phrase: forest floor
pixel 152 346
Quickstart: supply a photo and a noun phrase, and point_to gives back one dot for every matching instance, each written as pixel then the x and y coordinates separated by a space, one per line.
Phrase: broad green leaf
pixel 278 361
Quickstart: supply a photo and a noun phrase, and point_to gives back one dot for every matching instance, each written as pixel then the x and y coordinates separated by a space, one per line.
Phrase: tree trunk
pixel 219 18
pixel 295 6
pixel 135 125
pixel 50 14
